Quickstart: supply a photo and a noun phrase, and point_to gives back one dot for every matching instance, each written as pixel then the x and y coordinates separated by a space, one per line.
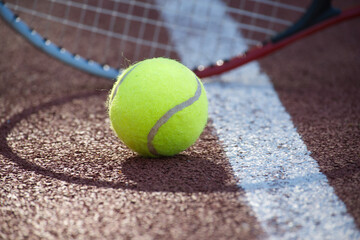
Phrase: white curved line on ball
pixel 168 115
pixel 122 80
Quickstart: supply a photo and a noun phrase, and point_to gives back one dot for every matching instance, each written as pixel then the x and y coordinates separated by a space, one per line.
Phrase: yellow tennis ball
pixel 158 107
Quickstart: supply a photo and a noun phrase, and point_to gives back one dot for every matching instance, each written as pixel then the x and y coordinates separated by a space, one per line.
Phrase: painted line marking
pixel 289 195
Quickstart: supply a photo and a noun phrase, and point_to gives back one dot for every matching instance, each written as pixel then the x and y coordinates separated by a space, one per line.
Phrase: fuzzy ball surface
pixel 158 107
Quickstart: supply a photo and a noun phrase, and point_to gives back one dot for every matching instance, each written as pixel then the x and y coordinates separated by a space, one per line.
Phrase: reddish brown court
pixel 65 175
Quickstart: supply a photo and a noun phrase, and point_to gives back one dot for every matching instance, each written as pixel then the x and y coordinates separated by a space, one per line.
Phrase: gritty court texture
pixel 278 159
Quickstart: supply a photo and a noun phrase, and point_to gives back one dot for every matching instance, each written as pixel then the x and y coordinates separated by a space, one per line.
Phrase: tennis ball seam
pixel 168 115
pixel 121 81
pixel 171 112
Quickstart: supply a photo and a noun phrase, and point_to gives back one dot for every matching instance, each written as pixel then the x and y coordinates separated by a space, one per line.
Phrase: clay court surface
pixel 65 175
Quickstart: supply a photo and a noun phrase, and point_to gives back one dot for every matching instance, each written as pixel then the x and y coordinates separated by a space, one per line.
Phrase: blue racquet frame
pixel 54 50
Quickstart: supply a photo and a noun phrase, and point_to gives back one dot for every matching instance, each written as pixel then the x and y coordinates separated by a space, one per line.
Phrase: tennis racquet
pixel 103 37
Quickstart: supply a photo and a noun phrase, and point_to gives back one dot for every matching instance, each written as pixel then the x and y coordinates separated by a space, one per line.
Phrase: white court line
pixel 283 185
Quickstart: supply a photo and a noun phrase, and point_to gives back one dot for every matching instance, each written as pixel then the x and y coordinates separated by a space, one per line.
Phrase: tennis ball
pixel 158 107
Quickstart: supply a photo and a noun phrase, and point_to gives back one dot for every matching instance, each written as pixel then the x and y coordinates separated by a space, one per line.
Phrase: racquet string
pixel 120 32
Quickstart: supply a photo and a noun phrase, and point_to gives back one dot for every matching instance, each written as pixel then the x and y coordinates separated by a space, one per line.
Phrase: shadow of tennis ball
pixel 65 140
pixel 181 173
